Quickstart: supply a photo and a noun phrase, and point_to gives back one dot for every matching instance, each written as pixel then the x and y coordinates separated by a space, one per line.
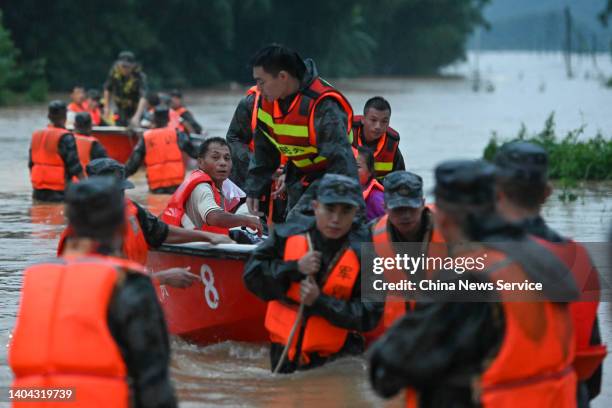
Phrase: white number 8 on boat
pixel 210 292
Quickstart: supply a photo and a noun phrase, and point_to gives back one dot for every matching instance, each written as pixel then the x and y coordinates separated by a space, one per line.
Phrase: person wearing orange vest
pixel 54 160
pixel 88 147
pixel 300 116
pixel 185 117
pixel 523 187
pixel 372 130
pixel 199 202
pixel 93 107
pixel 161 151
pixel 89 321
pixel 316 263
pixel 407 219
pixel 373 191
pixel 146 230
pixel 240 135
pixel 78 103
pixel 491 348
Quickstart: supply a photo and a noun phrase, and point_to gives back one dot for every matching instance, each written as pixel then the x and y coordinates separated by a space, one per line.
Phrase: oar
pixel 298 319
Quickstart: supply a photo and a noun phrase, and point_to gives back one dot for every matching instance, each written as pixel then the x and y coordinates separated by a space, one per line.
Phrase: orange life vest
pixel 96 116
pixel 173 214
pixel 74 107
pixel 374 185
pixel 386 149
pixel 175 118
pixel 533 367
pixel 163 158
pixel 48 170
pixel 294 133
pixel 395 307
pixel 135 247
pixel 320 336
pixel 84 144
pixel 254 91
pixel 62 339
pixel 584 313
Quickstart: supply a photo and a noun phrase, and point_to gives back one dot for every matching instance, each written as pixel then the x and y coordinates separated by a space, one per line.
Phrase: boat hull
pixel 216 308
pixel 117 141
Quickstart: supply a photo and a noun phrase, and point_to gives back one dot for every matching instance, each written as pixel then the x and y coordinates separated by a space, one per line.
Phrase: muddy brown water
pixel 437 118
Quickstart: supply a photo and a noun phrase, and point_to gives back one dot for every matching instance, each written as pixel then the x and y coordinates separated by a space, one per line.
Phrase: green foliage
pixel 18 81
pixel 190 43
pixel 570 159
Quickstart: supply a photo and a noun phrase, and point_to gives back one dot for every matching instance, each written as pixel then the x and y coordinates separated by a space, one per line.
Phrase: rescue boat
pixel 216 308
pixel 118 141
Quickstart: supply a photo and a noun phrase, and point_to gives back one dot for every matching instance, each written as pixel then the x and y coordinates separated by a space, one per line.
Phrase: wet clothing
pixel 590 388
pixel 155 231
pixel 126 91
pixel 239 136
pixel 139 153
pixel 126 300
pixel 440 348
pixel 332 142
pixel 269 278
pixel 67 150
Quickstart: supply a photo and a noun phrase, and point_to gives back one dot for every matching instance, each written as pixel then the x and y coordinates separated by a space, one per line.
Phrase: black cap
pixel 161 113
pixel 466 182
pixel 522 162
pixel 95 207
pixel 339 189
pixel 109 167
pixel 176 93
pixel 82 120
pixel 403 189
pixel 57 107
pixel 126 56
pixel 93 94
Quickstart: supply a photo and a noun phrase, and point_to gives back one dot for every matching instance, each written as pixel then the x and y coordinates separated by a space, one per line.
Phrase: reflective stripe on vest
pixel 386 148
pixel 175 209
pixel 320 336
pixel 293 133
pixel 62 339
pixel 48 170
pixel 163 158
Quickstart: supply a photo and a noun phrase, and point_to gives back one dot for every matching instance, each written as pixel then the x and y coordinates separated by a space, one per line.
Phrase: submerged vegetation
pixel 570 160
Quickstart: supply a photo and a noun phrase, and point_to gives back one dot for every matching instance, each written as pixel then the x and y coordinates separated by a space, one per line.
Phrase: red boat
pixel 117 140
pixel 219 307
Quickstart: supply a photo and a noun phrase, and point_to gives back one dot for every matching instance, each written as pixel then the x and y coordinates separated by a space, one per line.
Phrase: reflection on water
pixel 437 118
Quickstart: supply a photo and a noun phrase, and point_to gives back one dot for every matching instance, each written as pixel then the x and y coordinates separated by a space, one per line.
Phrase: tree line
pixel 191 43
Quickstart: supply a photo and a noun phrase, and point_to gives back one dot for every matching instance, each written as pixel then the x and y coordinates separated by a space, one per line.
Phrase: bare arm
pixel 178 235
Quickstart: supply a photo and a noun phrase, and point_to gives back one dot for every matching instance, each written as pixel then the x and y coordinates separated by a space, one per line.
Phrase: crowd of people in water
pixel 309 181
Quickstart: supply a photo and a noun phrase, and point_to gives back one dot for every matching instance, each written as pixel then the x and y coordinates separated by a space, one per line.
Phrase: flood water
pixel 438 119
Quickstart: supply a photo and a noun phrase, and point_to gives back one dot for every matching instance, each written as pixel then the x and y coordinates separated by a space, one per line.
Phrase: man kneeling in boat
pixel 201 201
pixel 309 273
pixel 144 230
